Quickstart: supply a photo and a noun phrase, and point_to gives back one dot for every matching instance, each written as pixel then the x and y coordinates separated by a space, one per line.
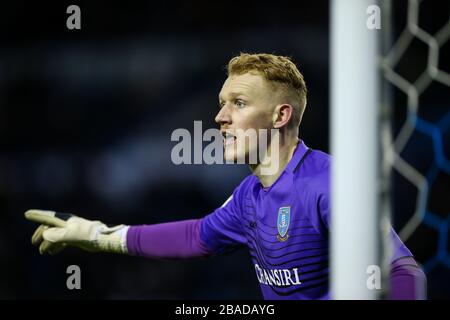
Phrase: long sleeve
pixel 408 281
pixel 180 239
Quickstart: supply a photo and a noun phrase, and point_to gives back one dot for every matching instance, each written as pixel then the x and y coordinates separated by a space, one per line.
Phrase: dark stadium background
pixel 85 123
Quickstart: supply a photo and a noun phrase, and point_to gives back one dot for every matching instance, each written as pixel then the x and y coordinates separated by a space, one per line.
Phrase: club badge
pixel 284 216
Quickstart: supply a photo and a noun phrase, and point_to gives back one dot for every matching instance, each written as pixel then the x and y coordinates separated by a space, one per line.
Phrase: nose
pixel 223 116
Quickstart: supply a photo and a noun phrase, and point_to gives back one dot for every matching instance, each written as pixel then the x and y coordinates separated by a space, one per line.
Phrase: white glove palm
pixel 58 230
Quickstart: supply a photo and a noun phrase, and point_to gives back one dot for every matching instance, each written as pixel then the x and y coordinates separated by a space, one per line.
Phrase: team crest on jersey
pixel 284 216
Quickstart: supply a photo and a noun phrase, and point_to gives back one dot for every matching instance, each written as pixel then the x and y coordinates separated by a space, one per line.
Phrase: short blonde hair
pixel 279 71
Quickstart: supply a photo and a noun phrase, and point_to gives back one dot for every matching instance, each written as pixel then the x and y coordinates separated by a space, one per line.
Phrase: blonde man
pixel 282 217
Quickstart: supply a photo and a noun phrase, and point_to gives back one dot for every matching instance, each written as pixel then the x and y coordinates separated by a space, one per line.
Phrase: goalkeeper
pixel 283 218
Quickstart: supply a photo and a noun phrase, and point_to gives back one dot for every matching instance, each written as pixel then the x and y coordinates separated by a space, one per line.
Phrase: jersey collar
pixel 299 152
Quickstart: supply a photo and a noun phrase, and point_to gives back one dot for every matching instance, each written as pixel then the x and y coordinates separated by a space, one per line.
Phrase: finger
pixel 55 235
pixel 51 218
pixel 36 239
pixel 56 248
pixel 46 246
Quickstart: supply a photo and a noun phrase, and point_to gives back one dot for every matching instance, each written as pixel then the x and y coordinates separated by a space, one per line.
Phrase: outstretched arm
pixel 179 239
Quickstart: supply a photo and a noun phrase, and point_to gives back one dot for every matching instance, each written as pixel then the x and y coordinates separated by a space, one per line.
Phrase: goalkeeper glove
pixel 58 230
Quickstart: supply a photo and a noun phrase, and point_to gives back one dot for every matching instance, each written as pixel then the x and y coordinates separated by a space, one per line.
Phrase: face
pixel 246 102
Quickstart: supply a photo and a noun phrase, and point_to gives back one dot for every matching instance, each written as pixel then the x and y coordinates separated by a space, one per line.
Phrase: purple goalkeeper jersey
pixel 285 227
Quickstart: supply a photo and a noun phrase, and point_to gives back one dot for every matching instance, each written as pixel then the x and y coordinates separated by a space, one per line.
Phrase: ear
pixel 282 115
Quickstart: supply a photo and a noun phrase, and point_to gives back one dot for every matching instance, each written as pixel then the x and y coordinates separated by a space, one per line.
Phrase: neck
pixel 276 159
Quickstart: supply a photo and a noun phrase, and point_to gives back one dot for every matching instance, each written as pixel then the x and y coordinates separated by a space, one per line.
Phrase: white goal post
pixel 355 100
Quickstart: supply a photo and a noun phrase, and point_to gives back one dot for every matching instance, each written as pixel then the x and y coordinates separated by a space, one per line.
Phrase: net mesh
pixel 416 72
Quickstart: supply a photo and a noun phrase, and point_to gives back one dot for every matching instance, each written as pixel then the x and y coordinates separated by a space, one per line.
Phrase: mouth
pixel 228 138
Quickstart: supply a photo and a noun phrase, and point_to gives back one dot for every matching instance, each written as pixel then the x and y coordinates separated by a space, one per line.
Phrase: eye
pixel 221 104
pixel 239 103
